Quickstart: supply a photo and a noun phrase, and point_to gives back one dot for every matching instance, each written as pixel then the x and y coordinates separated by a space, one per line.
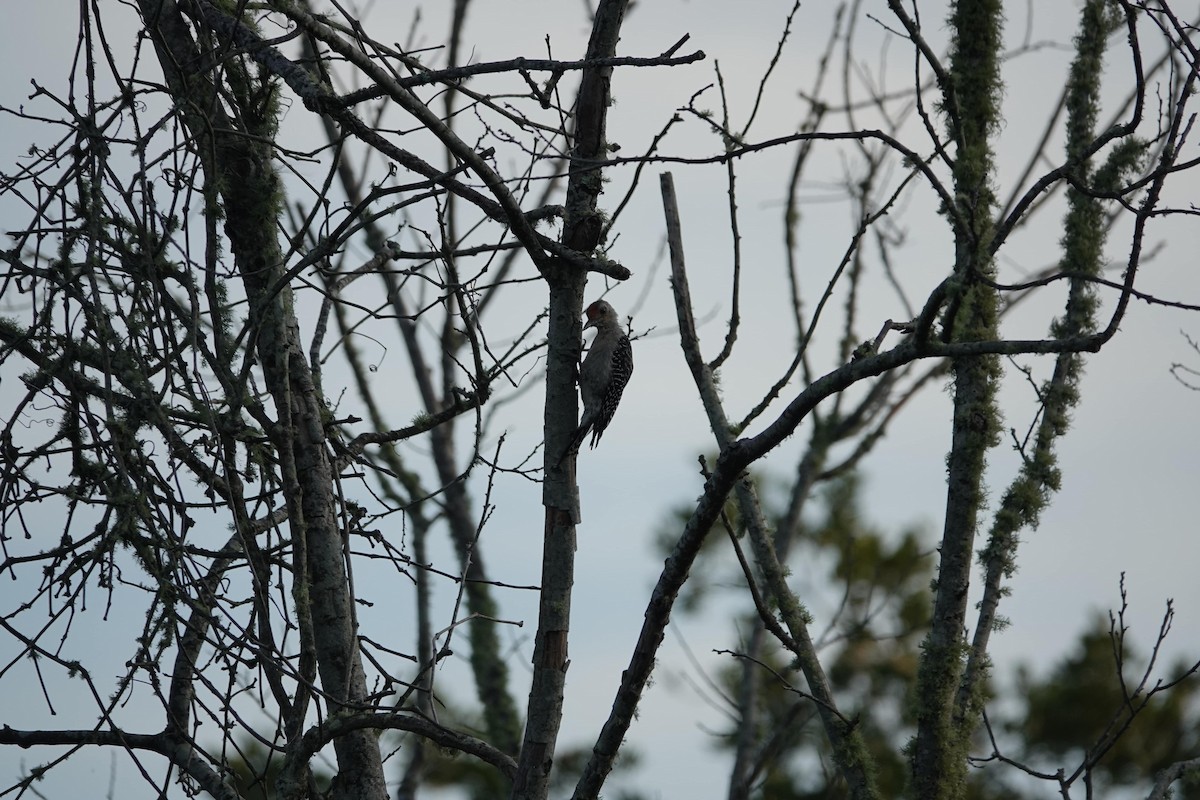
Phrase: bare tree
pixel 209 311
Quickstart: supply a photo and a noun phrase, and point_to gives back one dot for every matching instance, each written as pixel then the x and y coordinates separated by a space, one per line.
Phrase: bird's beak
pixel 591 323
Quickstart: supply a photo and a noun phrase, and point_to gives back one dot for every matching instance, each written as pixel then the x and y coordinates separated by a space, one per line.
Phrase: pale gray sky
pixel 1130 463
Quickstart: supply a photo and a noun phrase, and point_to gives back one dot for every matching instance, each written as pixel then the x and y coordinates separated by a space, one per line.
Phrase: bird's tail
pixel 576 440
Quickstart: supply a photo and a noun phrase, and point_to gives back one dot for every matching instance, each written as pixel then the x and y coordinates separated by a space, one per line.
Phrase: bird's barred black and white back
pixel 622 369
pixel 603 374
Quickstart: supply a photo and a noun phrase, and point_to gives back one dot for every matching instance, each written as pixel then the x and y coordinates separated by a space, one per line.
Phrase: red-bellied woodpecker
pixel 603 374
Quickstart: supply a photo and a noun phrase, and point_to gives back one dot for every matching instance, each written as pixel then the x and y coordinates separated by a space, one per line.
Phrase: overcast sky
pixel 1130 462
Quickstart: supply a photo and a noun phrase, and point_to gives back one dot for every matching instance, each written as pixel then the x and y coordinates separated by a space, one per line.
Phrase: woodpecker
pixel 603 374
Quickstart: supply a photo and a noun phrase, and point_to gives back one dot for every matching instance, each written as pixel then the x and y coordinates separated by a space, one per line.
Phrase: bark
pixel 501 719
pixel 1083 244
pixel 849 749
pixel 582 227
pixel 939 752
pixel 238 167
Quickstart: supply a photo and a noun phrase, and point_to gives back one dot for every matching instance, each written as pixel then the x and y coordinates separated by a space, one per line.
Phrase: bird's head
pixel 598 312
